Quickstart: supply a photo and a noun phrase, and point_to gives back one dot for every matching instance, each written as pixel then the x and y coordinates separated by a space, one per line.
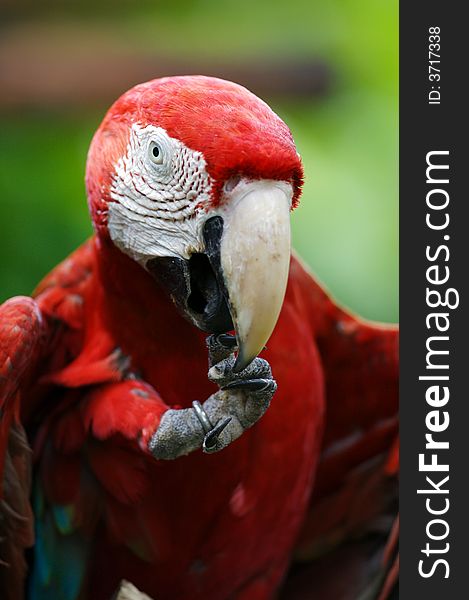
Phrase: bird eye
pixel 156 154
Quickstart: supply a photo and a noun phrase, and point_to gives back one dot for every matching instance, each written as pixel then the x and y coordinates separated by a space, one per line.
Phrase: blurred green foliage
pixel 346 227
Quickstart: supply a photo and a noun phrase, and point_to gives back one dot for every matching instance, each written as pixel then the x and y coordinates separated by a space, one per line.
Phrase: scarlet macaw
pixel 144 468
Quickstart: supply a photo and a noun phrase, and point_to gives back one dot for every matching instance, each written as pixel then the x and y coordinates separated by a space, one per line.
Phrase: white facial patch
pixel 158 189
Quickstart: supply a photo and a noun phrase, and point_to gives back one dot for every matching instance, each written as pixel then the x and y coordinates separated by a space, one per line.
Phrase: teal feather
pixel 60 554
pixel 63 517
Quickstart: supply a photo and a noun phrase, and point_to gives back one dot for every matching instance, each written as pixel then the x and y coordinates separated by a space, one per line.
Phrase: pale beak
pixel 254 260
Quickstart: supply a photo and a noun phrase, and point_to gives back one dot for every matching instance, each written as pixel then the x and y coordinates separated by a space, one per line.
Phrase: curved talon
pixel 220 347
pixel 202 416
pixel 227 340
pixel 252 385
pixel 210 442
pixel 211 439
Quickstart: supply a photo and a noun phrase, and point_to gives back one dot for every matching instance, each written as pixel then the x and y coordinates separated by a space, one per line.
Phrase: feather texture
pixel 90 366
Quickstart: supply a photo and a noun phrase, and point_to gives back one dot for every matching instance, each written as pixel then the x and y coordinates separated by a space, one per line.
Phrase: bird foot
pixel 241 401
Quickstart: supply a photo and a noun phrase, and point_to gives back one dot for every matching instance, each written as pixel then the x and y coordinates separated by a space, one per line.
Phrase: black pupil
pixel 156 151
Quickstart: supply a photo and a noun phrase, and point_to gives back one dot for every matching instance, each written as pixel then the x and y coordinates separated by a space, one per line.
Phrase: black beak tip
pixel 241 362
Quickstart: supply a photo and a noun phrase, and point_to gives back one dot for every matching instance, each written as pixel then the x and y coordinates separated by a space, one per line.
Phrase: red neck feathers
pixel 147 327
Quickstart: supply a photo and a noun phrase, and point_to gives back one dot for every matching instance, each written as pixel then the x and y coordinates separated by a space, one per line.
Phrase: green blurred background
pixel 329 68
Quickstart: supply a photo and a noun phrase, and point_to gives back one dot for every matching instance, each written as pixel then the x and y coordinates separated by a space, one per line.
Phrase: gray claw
pixel 242 400
pixel 211 439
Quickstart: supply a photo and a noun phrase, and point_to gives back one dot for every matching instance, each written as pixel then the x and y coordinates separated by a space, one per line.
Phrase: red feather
pixel 109 358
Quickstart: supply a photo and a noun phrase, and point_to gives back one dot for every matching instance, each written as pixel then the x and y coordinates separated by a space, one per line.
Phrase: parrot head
pixel 194 178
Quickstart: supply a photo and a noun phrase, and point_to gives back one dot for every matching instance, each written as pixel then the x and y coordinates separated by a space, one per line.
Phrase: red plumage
pixel 237 133
pixel 116 354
